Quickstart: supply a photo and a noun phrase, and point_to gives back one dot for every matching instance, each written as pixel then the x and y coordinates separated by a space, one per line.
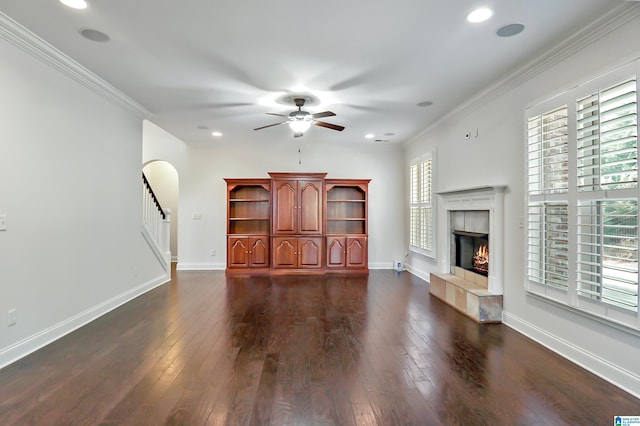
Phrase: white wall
pixel 497 157
pixel 202 170
pixel 70 186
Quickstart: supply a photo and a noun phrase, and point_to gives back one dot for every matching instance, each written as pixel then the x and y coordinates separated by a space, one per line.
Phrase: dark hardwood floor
pixel 206 349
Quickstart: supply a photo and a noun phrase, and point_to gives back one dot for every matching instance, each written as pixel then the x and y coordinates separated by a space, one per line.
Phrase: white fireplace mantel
pixel 489 198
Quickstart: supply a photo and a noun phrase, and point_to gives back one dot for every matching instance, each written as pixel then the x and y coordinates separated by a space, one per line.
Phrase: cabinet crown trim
pixel 292 175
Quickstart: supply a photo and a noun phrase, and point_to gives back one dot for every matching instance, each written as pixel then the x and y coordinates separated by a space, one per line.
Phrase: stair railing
pixel 156 221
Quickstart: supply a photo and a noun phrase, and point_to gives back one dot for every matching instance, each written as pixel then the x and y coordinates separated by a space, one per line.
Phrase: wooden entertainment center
pixel 297 223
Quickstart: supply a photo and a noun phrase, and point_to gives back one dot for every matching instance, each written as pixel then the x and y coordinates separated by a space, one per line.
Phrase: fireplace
pixel 474 223
pixel 471 275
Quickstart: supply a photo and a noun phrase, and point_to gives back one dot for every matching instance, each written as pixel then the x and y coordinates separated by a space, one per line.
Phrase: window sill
pixel 429 254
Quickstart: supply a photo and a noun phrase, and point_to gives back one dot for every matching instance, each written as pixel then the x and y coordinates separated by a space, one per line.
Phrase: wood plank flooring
pixel 210 350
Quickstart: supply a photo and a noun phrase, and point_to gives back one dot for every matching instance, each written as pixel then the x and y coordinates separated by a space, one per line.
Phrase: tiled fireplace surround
pixel 474 295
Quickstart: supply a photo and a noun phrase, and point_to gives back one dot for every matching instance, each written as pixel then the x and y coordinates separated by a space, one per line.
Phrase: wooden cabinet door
pixel 259 252
pixel 237 252
pixel 285 252
pixel 336 252
pixel 310 206
pixel 356 252
pixel 310 252
pixel 285 211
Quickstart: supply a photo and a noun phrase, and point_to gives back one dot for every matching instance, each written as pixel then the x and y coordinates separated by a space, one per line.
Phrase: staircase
pixel 156 225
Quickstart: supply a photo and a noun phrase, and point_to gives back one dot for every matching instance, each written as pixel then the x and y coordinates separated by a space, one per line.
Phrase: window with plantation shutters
pixel 548 172
pixel 607 210
pixel 421 205
pixel 582 197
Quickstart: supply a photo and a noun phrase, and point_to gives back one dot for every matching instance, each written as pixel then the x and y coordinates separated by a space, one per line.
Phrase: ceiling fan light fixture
pixel 299 126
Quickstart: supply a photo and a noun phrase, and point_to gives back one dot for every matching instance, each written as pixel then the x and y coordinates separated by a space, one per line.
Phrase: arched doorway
pixel 163 178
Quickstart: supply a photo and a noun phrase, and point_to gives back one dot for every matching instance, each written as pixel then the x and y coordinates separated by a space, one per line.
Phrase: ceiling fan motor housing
pixel 299 115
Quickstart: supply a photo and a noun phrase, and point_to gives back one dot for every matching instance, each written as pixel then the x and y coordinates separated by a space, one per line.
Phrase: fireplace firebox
pixel 470 241
pixel 472 251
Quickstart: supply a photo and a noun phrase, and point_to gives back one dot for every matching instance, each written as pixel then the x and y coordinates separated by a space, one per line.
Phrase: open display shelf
pixel 347 230
pixel 248 209
pixel 346 210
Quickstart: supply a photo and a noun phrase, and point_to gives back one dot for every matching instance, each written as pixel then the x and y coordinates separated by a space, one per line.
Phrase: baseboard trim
pixel 418 273
pixel 19 350
pixel 613 374
pixel 380 265
pixel 181 266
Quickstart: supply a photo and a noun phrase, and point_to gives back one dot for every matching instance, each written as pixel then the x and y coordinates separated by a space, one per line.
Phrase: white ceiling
pixel 221 64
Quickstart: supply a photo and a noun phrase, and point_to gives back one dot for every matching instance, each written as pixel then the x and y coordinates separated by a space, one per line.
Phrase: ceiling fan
pixel 299 121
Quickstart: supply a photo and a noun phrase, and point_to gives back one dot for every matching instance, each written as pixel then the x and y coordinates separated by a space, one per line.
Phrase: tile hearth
pixel 468 295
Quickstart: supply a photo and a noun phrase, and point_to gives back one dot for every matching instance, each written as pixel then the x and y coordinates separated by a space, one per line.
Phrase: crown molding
pixel 30 43
pixel 603 25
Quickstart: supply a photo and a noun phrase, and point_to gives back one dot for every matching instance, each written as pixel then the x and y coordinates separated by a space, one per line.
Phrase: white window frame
pixel 570 297
pixel 427 201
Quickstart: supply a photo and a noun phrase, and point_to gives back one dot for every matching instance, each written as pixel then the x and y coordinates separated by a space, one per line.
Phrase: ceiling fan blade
pixel 297 134
pixel 273 113
pixel 329 125
pixel 270 125
pixel 323 114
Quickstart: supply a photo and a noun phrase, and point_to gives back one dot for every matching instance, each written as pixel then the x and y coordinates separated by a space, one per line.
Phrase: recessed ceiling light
pixel 370 136
pixel 76 4
pixel 216 134
pixel 510 30
pixel 424 104
pixel 95 35
pixel 479 15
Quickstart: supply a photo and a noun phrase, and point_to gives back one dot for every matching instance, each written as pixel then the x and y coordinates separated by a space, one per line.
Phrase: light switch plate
pixel 3 222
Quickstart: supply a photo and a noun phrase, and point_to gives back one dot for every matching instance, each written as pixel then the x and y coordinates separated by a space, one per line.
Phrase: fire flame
pixel 481 258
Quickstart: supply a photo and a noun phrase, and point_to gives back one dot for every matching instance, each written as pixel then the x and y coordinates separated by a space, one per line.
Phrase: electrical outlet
pixel 3 222
pixel 213 252
pixel 12 317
